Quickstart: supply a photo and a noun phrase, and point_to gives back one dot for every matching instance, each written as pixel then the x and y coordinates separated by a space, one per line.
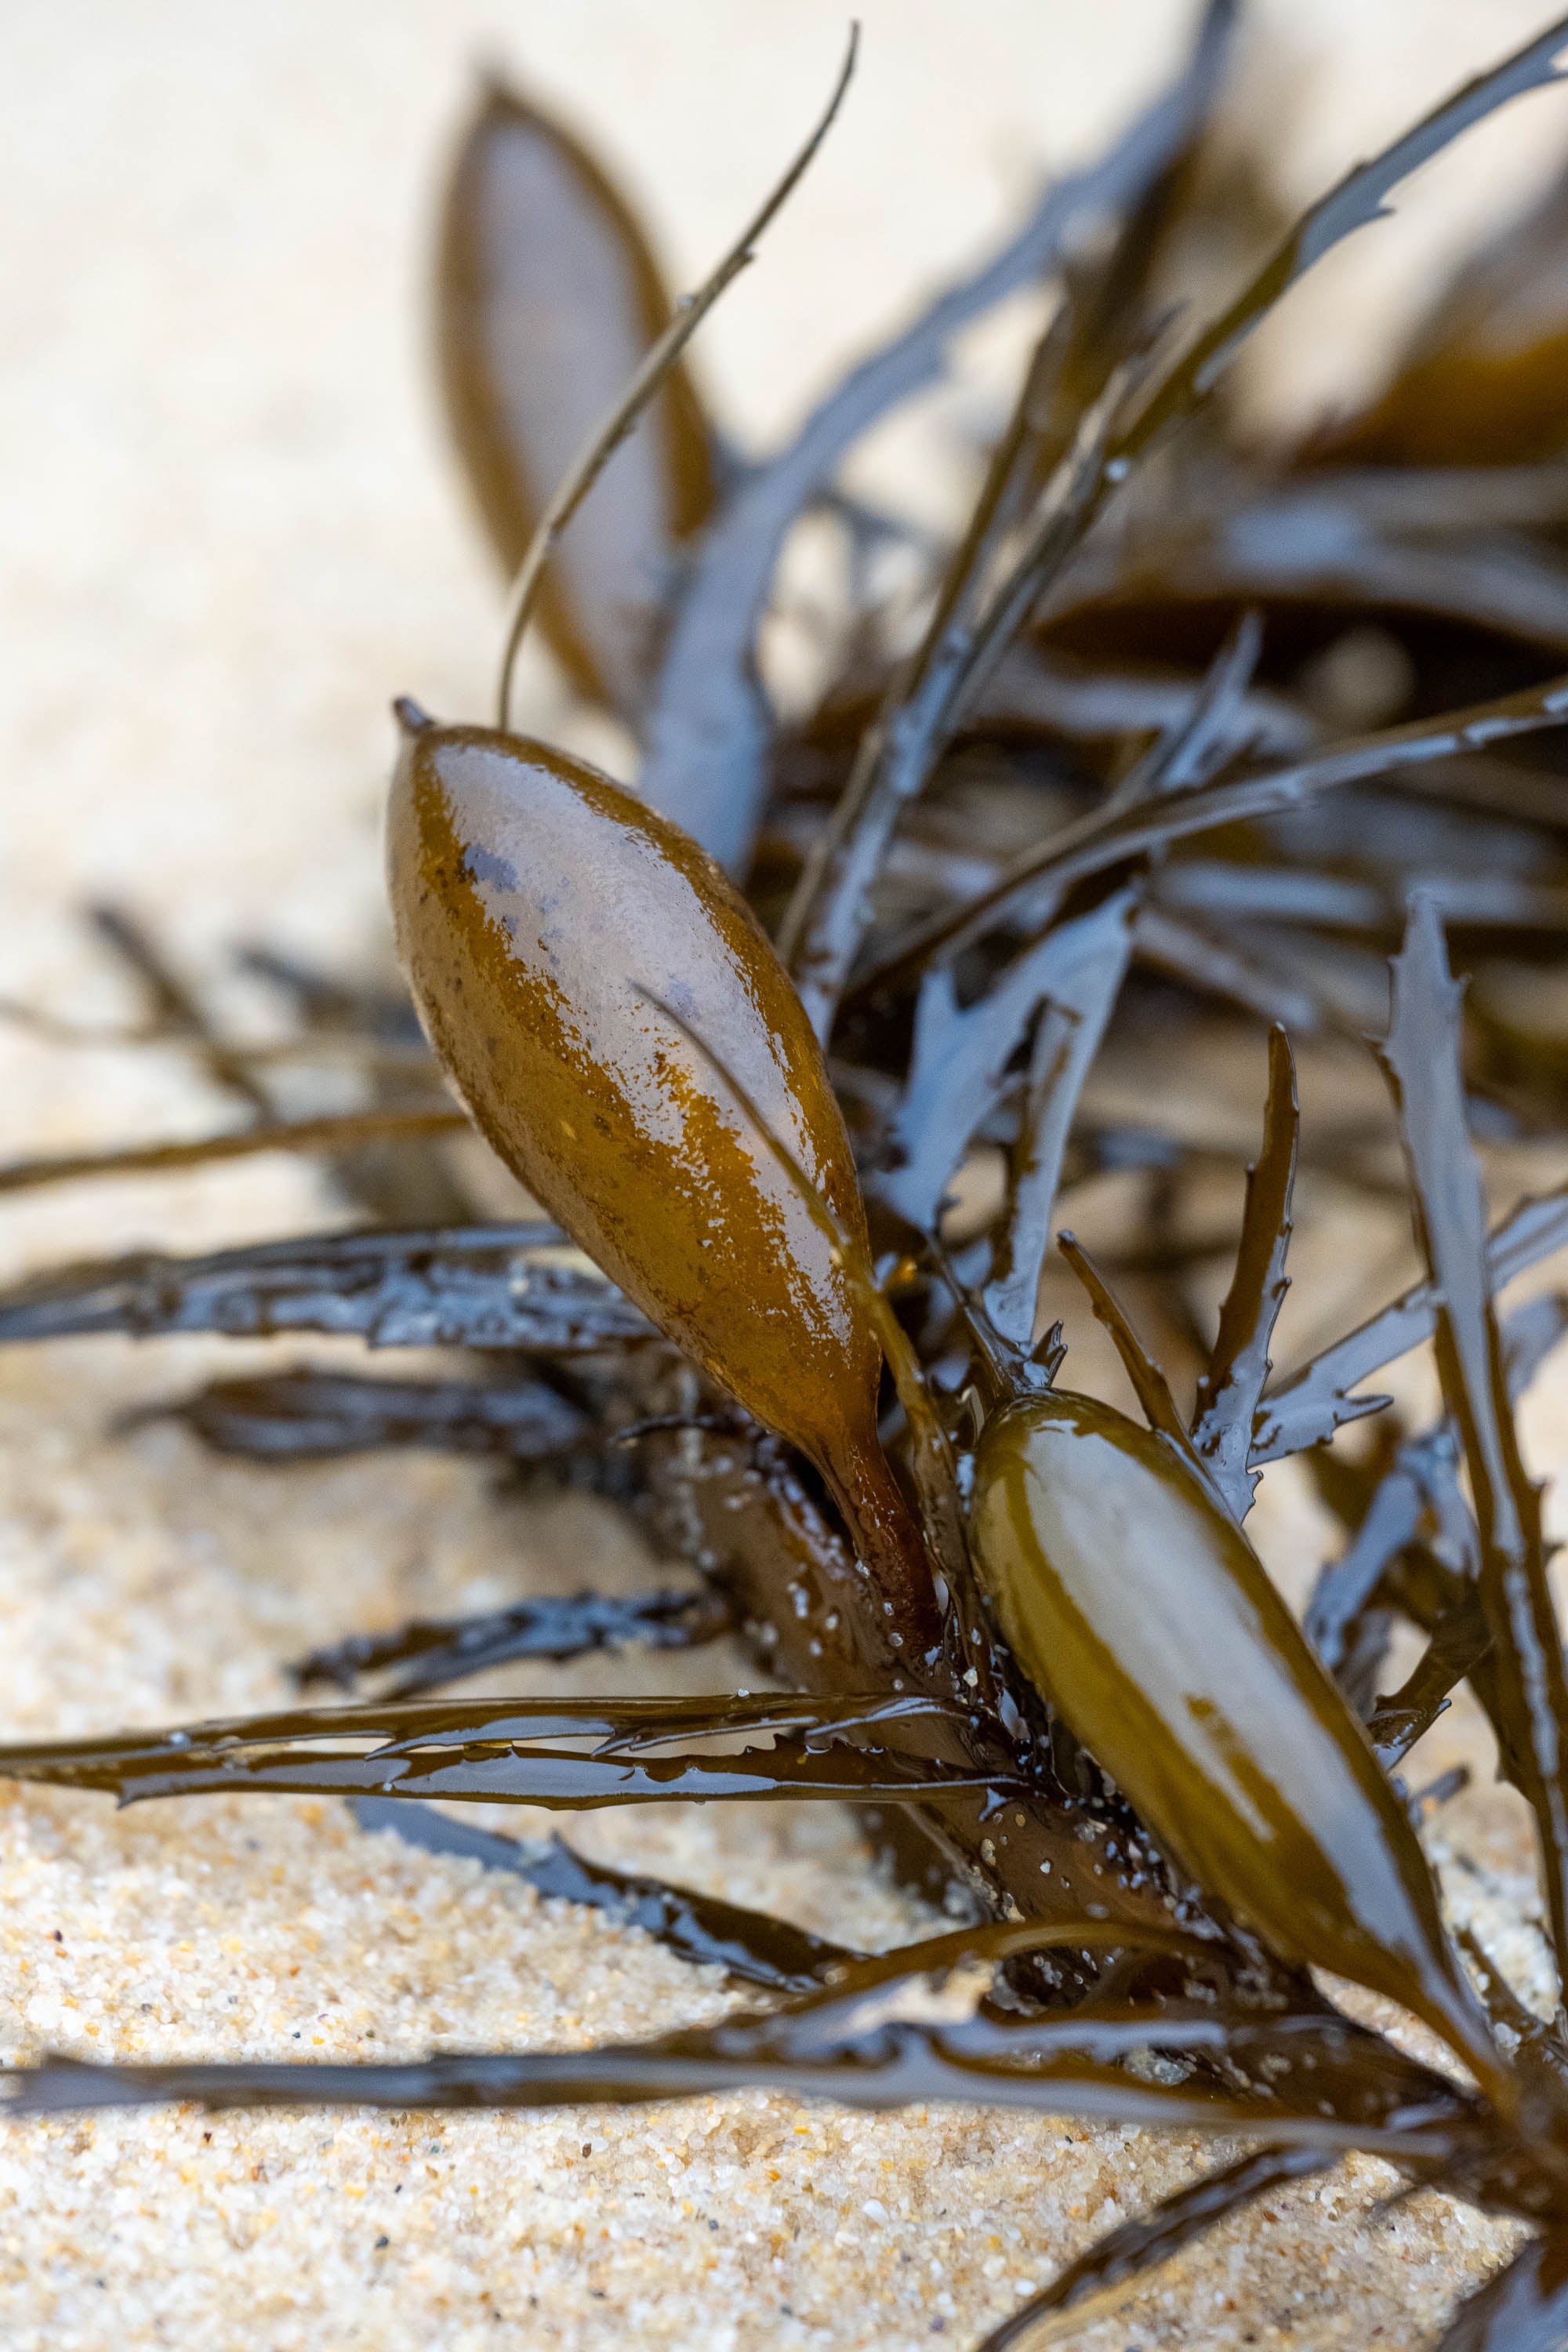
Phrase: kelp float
pixel 797 1038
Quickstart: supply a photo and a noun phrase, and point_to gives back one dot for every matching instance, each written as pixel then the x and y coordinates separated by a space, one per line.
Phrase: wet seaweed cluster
pixel 804 1045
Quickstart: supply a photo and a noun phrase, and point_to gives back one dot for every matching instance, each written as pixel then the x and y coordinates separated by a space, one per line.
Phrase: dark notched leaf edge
pixel 503 1285
pixel 1421 1480
pixel 1116 2265
pixel 863 2041
pixel 701 1929
pixel 443 1649
pixel 1071 1024
pixel 1316 1400
pixel 824 1752
pixel 1421 1059
pixel 959 1058
pixel 1230 1388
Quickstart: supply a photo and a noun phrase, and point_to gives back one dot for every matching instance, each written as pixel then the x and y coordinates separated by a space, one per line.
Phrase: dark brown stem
pixel 888 1544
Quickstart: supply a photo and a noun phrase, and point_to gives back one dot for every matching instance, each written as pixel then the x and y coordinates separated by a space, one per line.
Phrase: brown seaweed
pixel 700 1927
pixel 303 1415
pixel 1093 2286
pixel 1171 757
pixel 547 298
pixel 337 1131
pixel 440 1650
pixel 1421 1056
pixel 709 727
pixel 490 1287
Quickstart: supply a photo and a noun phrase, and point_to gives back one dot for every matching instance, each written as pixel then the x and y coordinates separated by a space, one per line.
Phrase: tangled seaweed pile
pixel 798 1047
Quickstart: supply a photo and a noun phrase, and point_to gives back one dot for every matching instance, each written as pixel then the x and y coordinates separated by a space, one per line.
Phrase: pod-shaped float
pixel 1145 1617
pixel 547 298
pixel 545 919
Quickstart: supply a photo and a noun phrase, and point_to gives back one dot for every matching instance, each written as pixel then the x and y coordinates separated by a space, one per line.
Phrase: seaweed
pixel 701 1929
pixel 445 1649
pixel 491 1286
pixel 807 1049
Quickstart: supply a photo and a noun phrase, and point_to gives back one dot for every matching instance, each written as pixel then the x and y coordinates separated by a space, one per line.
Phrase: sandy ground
pixel 228 534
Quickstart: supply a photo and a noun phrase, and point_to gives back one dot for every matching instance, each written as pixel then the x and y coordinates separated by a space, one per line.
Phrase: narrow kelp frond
pixel 1101 840
pixel 174 1009
pixel 823 1751
pixel 917 2024
pixel 1134 790
pixel 709 727
pixel 442 1650
pixel 497 1286
pixel 393 1727
pixel 337 1131
pixel 1054 2066
pixel 307 1415
pixel 1208 736
pixel 1421 1056
pixel 1316 1400
pixel 1107 454
pixel 995 574
pixel 1229 1389
pixel 1102 2279
pixel 701 1929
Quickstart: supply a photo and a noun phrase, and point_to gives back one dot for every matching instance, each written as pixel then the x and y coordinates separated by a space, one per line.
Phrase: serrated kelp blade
pixel 547 296
pixel 709 727
pixel 1116 2265
pixel 701 1929
pixel 1421 1056
pixel 1523 2309
pixel 1230 1388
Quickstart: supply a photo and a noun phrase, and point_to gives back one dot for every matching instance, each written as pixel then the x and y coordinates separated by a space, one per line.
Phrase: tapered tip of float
pixel 411 718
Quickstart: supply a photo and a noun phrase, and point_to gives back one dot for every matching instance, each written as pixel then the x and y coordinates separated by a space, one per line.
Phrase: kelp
pixel 492 1287
pixel 305 1415
pixel 336 1131
pixel 702 1928
pixel 497 1752
pixel 1421 1056
pixel 709 727
pixel 1102 2279
pixel 443 1648
pixel 1108 837
pixel 1147 764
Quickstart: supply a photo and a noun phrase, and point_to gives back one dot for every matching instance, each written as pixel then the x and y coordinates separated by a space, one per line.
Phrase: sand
pixel 227 534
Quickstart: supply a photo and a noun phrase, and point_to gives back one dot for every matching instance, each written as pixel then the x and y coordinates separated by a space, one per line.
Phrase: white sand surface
pixel 228 534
